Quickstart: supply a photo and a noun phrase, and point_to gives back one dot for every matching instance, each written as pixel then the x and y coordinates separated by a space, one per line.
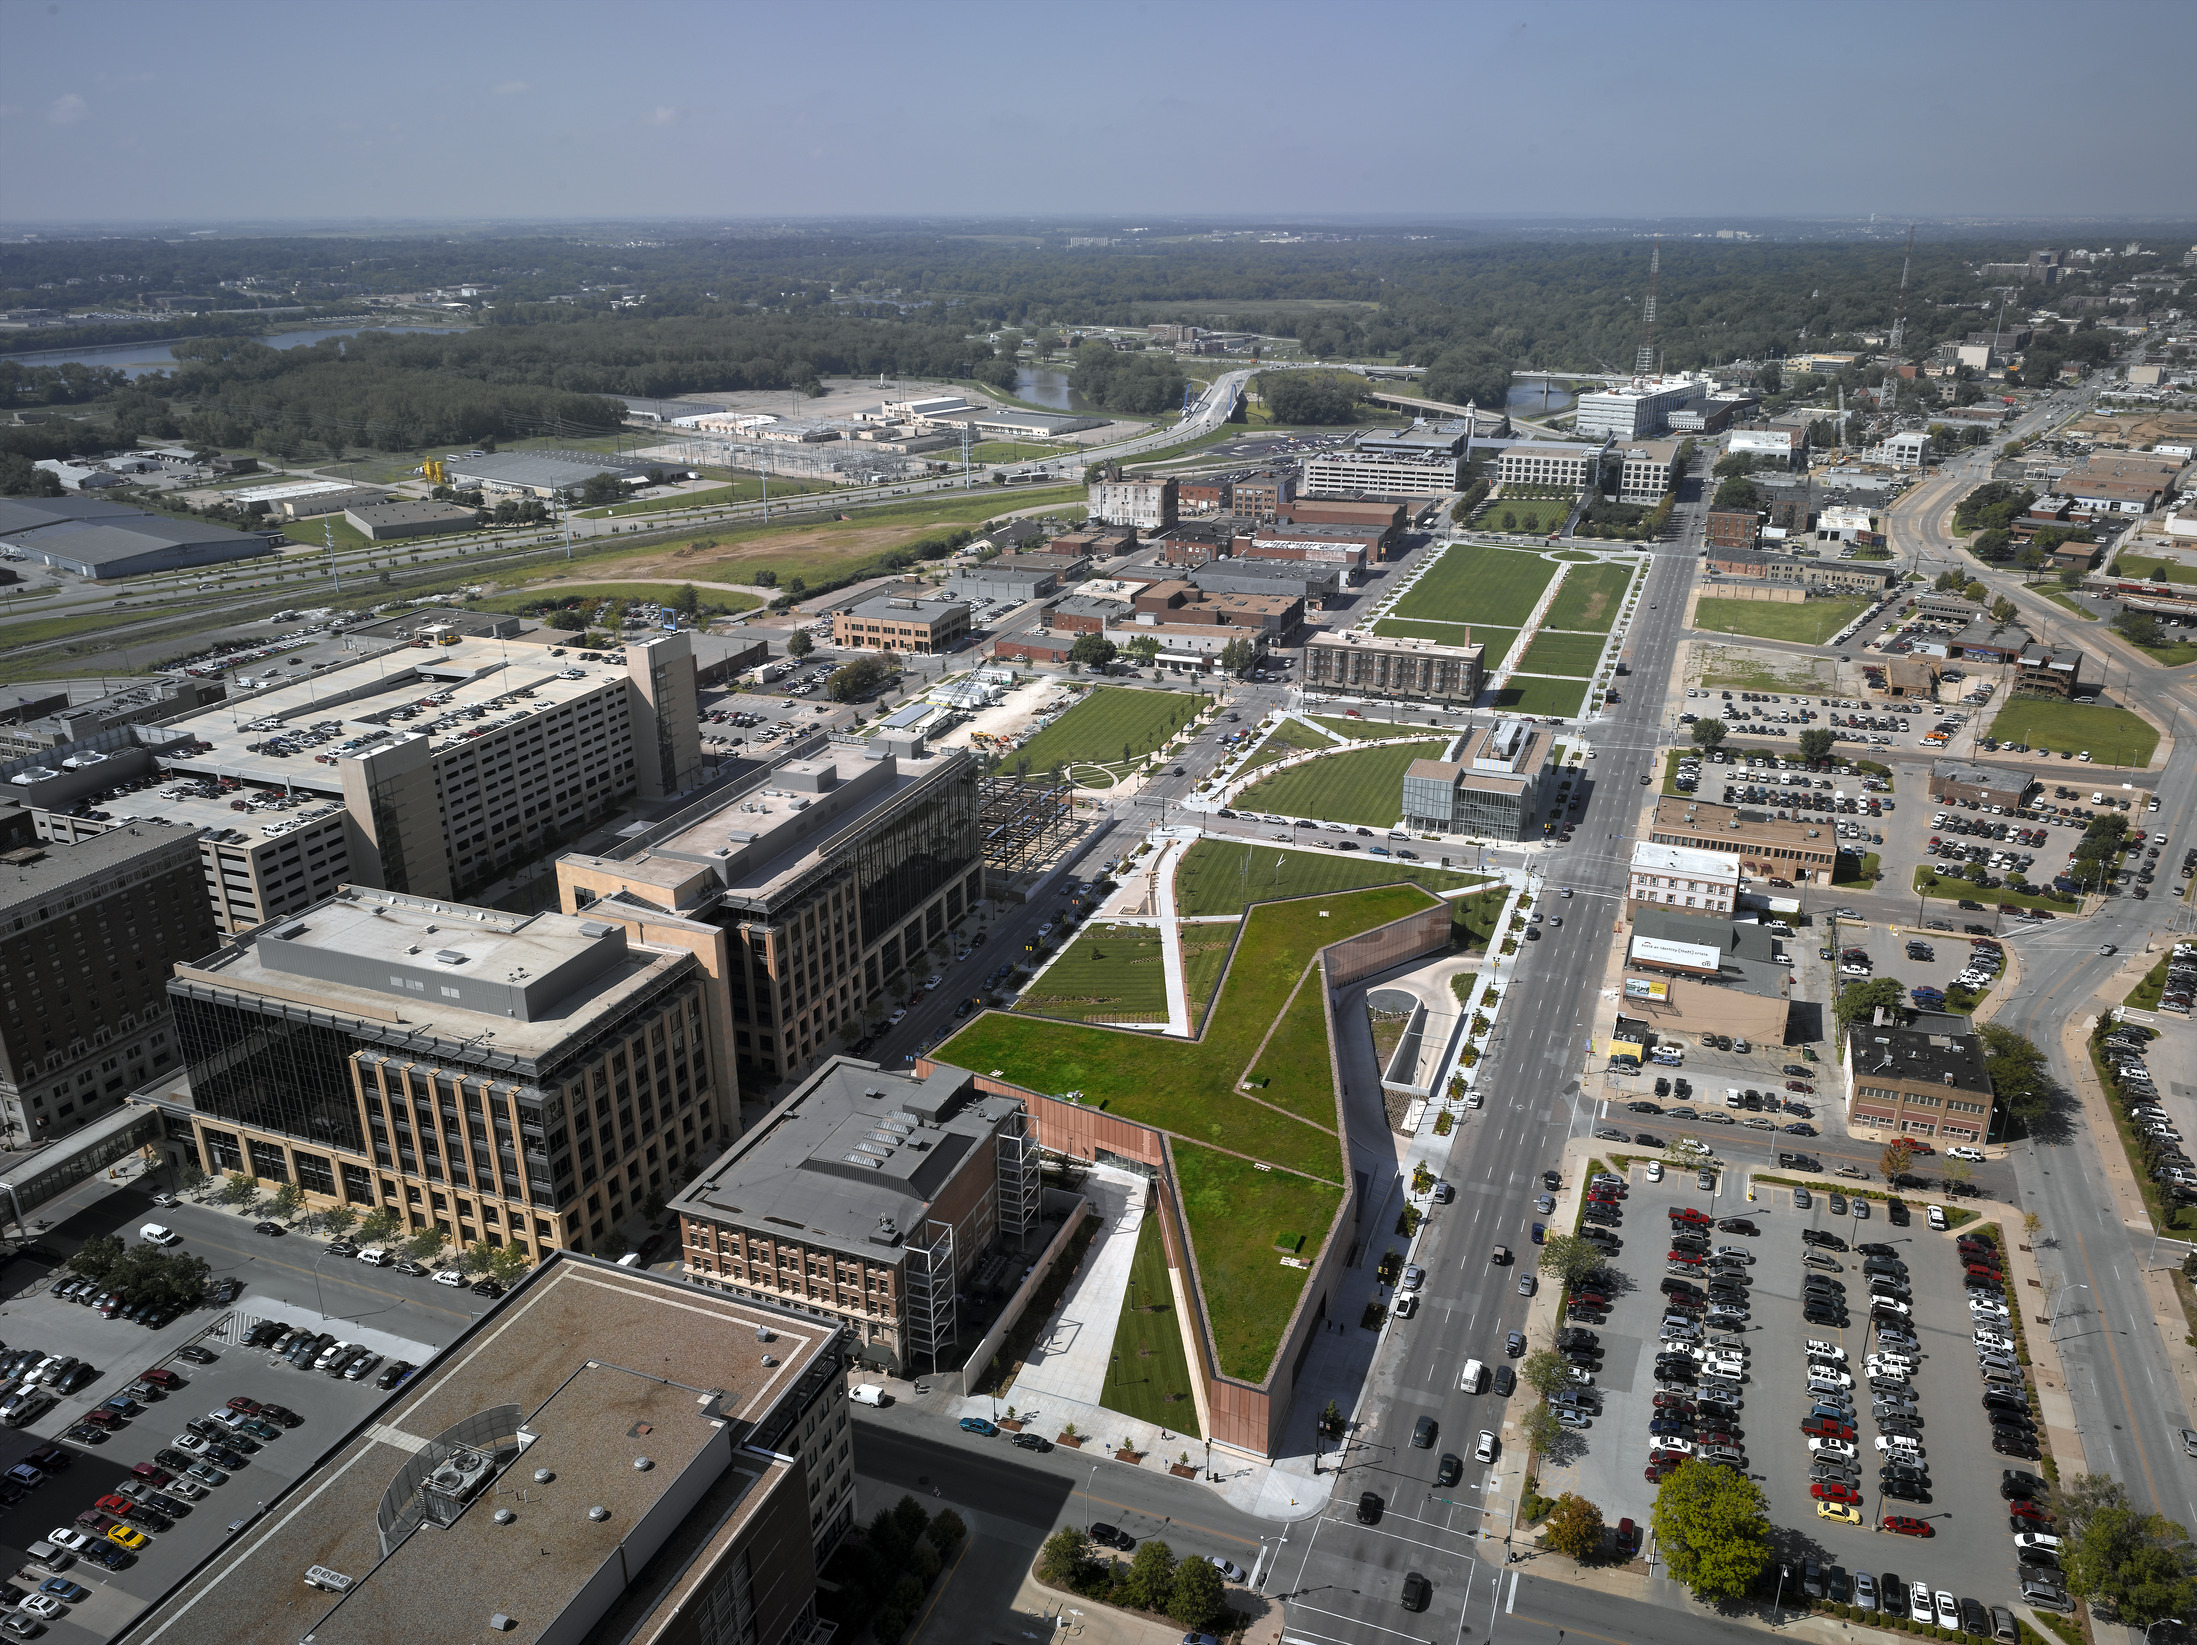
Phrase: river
pixel 1048 388
pixel 136 359
pixel 1525 398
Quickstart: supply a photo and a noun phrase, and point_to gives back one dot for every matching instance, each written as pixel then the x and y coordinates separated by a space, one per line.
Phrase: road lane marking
pixel 1345 1616
pixel 1510 1604
pixel 1188 1525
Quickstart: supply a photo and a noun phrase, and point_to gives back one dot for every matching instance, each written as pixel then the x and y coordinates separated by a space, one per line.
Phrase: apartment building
pixel 1918 1074
pixel 1733 528
pixel 925 627
pixel 1259 499
pixel 1546 463
pixel 869 1198
pixel 1678 876
pixel 1421 460
pixel 808 892
pixel 429 769
pixel 604 1454
pixel 520 1079
pixel 1772 848
pixel 1380 666
pixel 1149 505
pixel 87 934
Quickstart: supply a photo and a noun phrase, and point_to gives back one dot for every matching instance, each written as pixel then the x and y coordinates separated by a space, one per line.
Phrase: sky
pixel 309 111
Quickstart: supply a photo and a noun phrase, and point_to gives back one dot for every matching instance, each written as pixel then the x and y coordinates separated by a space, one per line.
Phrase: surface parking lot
pixel 121 1351
pixel 1970 1552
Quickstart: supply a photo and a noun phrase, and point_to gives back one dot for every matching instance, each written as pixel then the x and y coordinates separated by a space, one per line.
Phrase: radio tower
pixel 1899 315
pixel 1644 362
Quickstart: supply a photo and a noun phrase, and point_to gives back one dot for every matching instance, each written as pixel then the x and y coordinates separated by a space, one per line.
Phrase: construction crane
pixel 1644 361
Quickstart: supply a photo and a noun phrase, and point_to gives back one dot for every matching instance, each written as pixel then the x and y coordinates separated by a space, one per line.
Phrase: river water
pixel 1525 398
pixel 1048 388
pixel 136 359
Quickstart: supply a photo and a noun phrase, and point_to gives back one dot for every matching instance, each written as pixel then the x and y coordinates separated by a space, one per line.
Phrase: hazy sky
pixel 211 110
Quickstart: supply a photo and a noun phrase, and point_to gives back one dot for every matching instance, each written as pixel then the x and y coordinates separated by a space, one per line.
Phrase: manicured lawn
pixel 1367 730
pixel 1809 622
pixel 1590 597
pixel 1222 877
pixel 1573 655
pixel 1288 737
pixel 1190 1090
pixel 1949 889
pixel 1294 1065
pixel 1235 1210
pixel 1108 720
pixel 1108 974
pixel 2066 604
pixel 1531 695
pixel 1205 950
pixel 1497 640
pixel 1149 1376
pixel 1476 582
pixel 2113 736
pixel 2165 571
pixel 1361 785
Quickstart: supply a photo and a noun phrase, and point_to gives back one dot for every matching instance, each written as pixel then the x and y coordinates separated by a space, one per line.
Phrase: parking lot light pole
pixel 1087 1484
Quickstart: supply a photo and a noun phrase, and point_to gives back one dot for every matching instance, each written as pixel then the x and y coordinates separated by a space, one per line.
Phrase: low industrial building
pixel 1088 613
pixel 927 627
pixel 1493 790
pixel 1387 518
pixel 542 474
pixel 1174 601
pixel 1989 787
pixel 871 1199
pixel 1001 581
pixel 1096 542
pixel 1307 580
pixel 1678 876
pixel 1868 578
pixel 1700 974
pixel 91 537
pixel 1918 1074
pixel 1350 547
pixel 677 1464
pixel 57 724
pixel 1772 848
pixel 1380 666
pixel 1047 650
pixel 386 522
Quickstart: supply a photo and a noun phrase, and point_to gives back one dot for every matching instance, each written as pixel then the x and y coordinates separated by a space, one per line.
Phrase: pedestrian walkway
pixel 1070 1361
pixel 1178 993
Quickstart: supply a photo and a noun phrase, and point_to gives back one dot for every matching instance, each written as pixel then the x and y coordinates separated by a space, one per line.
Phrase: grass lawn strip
pixel 1571 655
pixel 1589 598
pixel 652 593
pixel 1204 953
pixel 1951 888
pixel 1473 582
pixel 1191 1090
pixel 1368 731
pixel 1363 786
pixel 1109 719
pixel 1294 1062
pixel 1809 622
pixel 1289 736
pixel 2113 736
pixel 1110 973
pixel 1149 1364
pixel 1496 640
pixel 1535 694
pixel 1235 1211
pixel 1223 877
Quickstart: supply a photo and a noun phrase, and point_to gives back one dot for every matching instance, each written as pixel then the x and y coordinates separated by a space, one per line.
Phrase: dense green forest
pixel 564 320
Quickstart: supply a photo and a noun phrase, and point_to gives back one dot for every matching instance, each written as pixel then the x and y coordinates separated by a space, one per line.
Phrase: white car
pixel 1905 1444
pixel 449 1276
pixel 1824 1374
pixel 1992 1339
pixel 1833 1448
pixel 156 1234
pixel 1484 1451
pixel 44 1606
pixel 1655 1170
pixel 1736 1253
pixel 1819 1349
pixel 74 1541
pixel 1405 1306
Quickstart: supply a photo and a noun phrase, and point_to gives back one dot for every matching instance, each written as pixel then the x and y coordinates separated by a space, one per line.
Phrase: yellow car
pixel 125 1537
pixel 1844 1512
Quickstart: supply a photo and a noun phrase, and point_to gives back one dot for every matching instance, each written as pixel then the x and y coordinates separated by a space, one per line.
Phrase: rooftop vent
pixel 763 1333
pixel 770 1359
pixel 542 1476
pixel 503 1516
pixel 499 1623
pixel 642 1465
pixel 448 956
pixel 598 1513
pixel 296 929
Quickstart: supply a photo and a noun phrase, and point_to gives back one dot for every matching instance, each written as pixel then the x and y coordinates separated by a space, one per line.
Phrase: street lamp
pixel 1783 1571
pixel 2053 1324
pixel 1087 1484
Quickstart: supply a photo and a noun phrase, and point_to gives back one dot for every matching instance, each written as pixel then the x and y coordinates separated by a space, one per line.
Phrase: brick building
pixel 1379 666
pixel 925 627
pixel 1918 1074
pixel 1955 783
pixel 1768 847
pixel 1733 528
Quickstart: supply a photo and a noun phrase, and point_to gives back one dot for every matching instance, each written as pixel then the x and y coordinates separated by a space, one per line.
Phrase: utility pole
pixel 328 536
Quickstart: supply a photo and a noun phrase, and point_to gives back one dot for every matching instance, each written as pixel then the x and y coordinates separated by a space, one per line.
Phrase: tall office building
pixel 87 934
pixel 606 1454
pixel 1640 408
pixel 430 768
pixel 808 891
pixel 518 1079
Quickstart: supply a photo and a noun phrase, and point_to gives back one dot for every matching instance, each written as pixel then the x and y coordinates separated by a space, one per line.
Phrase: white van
pixel 375 1257
pixel 868 1394
pixel 25 1405
pixel 1473 1378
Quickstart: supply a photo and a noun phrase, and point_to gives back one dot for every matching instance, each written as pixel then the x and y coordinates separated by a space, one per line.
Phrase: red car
pixel 1657 1472
pixel 1825 1428
pixel 250 1407
pixel 100 1416
pixel 160 1378
pixel 1831 1491
pixel 1676 1404
pixel 1908 1525
pixel 1691 1259
pixel 1914 1147
pixel 2023 1508
pixel 1682 1213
